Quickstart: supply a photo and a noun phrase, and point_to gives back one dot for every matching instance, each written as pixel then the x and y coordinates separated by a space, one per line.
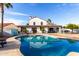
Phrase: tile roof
pixel 5 24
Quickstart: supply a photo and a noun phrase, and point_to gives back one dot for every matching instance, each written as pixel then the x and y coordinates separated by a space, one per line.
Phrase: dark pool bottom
pixel 61 47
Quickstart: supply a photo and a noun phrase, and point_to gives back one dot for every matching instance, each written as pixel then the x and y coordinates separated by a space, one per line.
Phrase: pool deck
pixel 12 47
pixel 71 36
pixel 73 54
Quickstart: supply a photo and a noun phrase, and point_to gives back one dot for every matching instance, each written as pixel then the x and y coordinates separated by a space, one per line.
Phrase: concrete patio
pixel 11 48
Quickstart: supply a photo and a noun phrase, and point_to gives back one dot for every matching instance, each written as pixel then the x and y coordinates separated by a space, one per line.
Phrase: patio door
pixel 34 29
pixel 51 30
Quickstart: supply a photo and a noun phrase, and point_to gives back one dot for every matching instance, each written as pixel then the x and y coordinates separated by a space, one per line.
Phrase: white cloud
pixel 74 4
pixel 73 20
pixel 15 21
pixel 16 13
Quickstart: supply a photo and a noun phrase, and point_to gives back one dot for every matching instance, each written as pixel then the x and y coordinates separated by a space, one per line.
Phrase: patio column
pixel 60 30
pixel 46 29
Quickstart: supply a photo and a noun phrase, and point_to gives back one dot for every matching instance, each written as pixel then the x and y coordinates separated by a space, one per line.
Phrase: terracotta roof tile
pixel 5 24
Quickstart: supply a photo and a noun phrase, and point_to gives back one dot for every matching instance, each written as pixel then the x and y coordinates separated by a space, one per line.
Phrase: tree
pixel 25 30
pixel 2 5
pixel 72 26
pixel 49 21
pixel 27 24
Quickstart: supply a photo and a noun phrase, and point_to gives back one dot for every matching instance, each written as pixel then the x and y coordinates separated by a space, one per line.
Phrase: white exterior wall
pixel 60 30
pixel 46 29
pixel 8 31
pixel 37 21
pixel 38 30
pixel 29 29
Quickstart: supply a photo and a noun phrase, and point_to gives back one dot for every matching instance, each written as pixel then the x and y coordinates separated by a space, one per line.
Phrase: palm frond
pixel 8 5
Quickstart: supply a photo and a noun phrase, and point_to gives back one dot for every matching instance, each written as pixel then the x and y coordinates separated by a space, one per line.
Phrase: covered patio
pixel 47 28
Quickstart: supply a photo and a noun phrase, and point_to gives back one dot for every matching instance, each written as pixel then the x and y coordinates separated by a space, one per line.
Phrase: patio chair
pixel 2 42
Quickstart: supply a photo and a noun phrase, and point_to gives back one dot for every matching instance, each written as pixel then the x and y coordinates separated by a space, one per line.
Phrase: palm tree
pixel 49 21
pixel 2 5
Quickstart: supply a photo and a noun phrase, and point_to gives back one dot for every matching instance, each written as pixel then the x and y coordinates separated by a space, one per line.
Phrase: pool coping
pixel 54 36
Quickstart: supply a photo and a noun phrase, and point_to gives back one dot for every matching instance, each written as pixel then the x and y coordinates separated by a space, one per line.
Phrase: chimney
pixel 31 17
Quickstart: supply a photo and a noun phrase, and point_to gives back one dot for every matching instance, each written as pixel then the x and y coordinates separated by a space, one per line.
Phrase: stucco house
pixel 8 27
pixel 34 25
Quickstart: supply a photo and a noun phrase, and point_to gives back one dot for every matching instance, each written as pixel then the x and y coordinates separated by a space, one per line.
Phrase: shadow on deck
pixel 10 45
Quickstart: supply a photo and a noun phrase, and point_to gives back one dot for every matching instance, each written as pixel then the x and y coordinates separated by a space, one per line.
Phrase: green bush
pixel 25 30
pixel 42 29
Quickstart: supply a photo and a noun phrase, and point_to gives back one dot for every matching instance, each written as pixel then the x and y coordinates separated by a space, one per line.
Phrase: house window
pixel 33 23
pixel 41 23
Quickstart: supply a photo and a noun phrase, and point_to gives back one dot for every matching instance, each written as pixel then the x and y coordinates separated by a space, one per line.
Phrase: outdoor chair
pixel 2 43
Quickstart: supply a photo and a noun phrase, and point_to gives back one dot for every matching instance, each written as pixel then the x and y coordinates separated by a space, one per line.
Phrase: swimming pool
pixel 39 45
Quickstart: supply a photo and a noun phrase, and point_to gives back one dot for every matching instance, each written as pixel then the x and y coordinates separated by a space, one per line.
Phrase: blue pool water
pixel 47 46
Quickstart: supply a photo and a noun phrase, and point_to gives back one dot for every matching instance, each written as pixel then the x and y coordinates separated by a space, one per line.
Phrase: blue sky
pixel 59 13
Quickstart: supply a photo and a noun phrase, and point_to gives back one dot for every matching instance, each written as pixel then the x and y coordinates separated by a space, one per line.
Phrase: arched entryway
pixel 51 30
